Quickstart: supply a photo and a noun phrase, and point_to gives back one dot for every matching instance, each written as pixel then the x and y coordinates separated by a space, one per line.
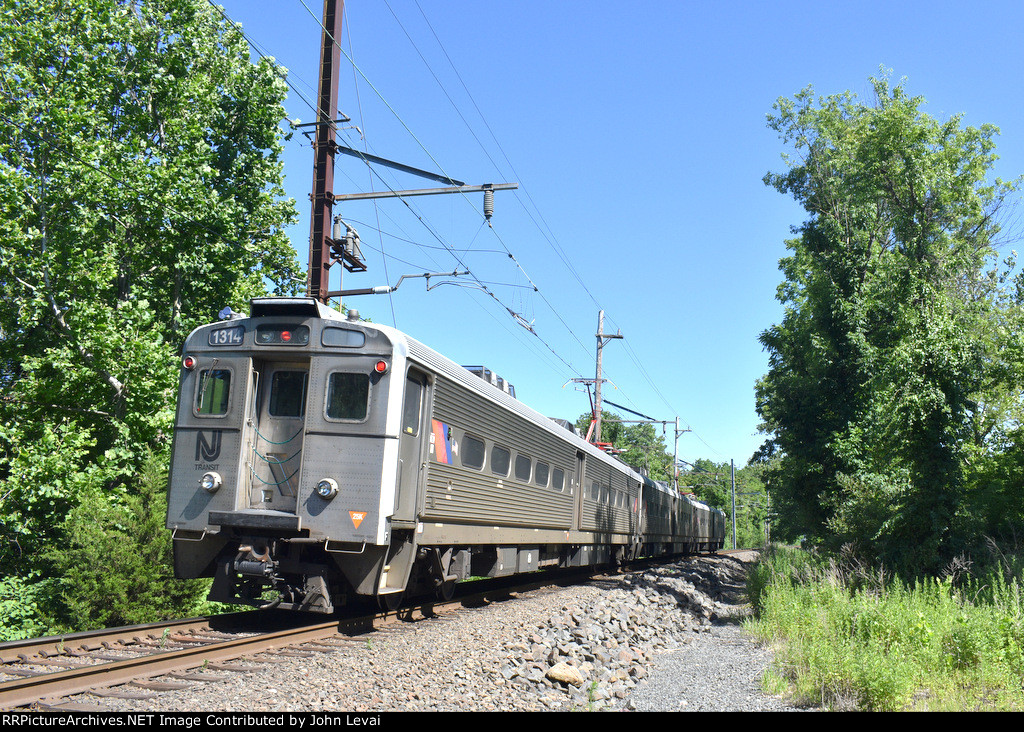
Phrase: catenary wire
pixel 552 242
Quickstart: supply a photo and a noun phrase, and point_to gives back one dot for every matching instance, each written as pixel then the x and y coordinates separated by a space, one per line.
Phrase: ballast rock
pixel 598 652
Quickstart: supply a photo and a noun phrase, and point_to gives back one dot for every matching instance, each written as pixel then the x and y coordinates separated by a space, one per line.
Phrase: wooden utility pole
pixel 325 146
pixel 602 339
pixel 328 245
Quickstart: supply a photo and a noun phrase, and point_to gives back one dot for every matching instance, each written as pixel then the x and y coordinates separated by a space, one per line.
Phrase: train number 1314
pixel 227 336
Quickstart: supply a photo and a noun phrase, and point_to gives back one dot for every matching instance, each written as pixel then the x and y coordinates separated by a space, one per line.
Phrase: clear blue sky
pixel 637 134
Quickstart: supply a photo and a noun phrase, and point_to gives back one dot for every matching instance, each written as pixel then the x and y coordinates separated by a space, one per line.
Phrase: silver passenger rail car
pixel 318 458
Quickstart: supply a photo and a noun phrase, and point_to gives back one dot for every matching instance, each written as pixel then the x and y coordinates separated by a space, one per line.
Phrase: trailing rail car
pixel 318 458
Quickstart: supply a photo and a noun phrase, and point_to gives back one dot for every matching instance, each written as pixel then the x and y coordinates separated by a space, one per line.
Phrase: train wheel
pixel 390 601
pixel 446 590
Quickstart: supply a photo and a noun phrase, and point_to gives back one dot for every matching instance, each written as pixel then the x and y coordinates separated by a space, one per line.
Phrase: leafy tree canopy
pixel 140 193
pixel 897 362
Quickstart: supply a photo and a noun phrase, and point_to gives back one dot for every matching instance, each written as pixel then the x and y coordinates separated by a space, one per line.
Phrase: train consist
pixel 318 458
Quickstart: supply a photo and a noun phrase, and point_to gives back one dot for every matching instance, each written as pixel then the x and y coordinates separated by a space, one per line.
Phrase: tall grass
pixel 847 637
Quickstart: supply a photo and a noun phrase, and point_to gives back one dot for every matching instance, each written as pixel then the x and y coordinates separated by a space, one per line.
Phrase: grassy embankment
pixel 849 638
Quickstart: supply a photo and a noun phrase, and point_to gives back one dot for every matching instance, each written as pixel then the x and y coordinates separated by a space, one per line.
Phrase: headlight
pixel 211 482
pixel 327 488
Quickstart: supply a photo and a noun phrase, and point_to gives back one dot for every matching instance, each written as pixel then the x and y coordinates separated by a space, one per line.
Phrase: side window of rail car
pixel 540 474
pixel 501 460
pixel 348 396
pixel 558 479
pixel 523 464
pixel 288 393
pixel 212 392
pixel 473 452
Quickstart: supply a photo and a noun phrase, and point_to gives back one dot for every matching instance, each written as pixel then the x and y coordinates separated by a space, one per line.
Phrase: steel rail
pixel 23 691
pixel 69 644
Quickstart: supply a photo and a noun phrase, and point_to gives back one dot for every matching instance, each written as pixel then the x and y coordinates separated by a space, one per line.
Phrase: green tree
pixel 712 483
pixel 140 193
pixel 893 362
pixel 116 565
pixel 637 444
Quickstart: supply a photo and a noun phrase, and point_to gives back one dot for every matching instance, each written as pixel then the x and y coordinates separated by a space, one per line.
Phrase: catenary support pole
pixel 325 147
pixel 602 339
pixel 732 465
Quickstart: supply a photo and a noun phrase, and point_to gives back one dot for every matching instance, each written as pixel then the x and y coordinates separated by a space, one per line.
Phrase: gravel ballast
pixel 661 639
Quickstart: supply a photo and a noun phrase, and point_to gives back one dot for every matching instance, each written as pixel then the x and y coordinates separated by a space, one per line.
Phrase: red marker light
pixel 188 362
pixel 381 367
pixel 286 336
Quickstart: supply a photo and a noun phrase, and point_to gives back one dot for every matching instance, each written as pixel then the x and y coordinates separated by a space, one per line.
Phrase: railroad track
pixel 140 661
pixel 42 671
pixel 125 661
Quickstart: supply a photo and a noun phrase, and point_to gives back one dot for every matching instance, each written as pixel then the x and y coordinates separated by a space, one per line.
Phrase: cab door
pixel 410 446
pixel 278 418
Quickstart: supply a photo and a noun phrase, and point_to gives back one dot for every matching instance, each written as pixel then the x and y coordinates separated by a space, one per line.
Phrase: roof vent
pixel 492 378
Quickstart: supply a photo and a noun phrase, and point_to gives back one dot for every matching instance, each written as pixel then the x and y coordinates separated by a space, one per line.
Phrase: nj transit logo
pixel 208 450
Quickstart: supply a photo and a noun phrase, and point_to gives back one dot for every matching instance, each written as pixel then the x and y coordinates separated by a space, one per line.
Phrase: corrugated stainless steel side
pixel 469 403
pixel 459 494
pixel 456 495
pixel 659 513
pixel 458 375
